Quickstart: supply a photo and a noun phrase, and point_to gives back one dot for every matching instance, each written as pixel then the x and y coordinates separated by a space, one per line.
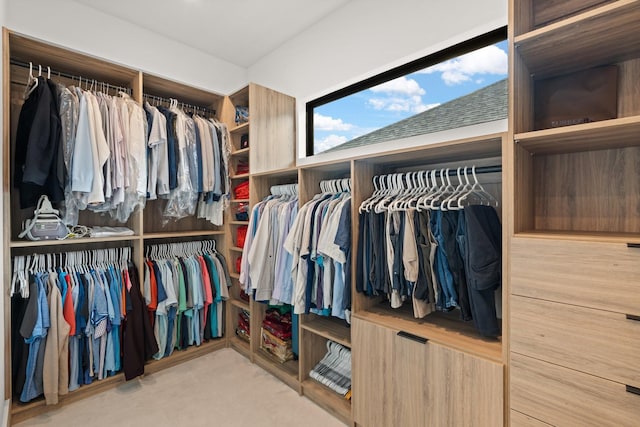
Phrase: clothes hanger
pixel 32 82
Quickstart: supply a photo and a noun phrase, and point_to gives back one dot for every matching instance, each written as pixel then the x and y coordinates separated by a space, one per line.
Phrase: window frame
pixel 475 43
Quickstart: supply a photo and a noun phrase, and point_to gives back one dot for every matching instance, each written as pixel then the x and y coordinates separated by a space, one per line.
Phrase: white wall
pixel 366 37
pixel 85 29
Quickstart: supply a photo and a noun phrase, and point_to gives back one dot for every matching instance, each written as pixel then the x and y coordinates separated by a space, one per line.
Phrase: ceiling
pixel 237 31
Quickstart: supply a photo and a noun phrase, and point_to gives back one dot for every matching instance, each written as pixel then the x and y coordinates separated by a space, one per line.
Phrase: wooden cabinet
pixel 404 379
pixel 573 266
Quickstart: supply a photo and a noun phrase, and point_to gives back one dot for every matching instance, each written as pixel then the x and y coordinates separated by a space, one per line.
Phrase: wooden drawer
pixel 597 342
pixel 564 397
pixel 597 275
pixel 518 419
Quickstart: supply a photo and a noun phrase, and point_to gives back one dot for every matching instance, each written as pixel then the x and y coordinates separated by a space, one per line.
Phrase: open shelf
pixel 614 133
pixel 239 200
pixel 330 328
pixel 241 153
pixel 327 399
pixel 241 176
pixel 170 235
pixel 48 243
pixel 240 304
pixel 239 222
pixel 603 35
pixel 583 236
pixel 236 249
pixel 442 328
pixel 240 128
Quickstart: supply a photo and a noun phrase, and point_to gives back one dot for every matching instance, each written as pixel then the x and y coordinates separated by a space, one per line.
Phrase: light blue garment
pixel 82 167
pixel 337 305
pixel 110 360
pixel 33 386
pixel 448 298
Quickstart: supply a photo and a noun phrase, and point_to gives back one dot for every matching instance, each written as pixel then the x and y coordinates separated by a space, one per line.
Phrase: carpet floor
pixel 220 389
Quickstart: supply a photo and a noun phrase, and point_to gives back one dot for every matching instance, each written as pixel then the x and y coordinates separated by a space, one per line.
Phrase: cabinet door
pixel 589 274
pixel 465 390
pixel 412 398
pixel 372 359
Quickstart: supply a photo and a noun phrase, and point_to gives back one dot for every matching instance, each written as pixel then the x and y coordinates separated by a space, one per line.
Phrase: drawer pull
pixel 633 245
pixel 632 389
pixel 633 317
pixel 412 337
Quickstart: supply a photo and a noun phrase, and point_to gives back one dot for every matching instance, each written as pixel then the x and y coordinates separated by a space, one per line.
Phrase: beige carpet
pixel 220 389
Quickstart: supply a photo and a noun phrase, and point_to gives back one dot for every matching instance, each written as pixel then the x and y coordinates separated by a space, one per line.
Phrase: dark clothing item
pixel 456 264
pixel 423 289
pixel 173 149
pixel 37 150
pixel 483 263
pixel 139 343
pixel 343 240
pixel 20 349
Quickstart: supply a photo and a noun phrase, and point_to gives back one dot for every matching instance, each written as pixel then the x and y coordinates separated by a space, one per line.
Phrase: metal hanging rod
pixel 79 78
pixel 480 169
pixel 204 110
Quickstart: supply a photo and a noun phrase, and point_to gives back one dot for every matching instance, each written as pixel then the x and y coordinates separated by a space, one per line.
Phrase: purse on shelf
pixel 45 224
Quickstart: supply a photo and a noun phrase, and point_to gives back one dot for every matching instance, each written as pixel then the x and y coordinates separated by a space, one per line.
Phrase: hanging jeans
pixel 448 299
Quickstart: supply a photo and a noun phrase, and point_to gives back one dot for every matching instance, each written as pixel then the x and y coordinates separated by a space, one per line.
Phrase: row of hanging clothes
pixel 433 242
pixel 187 160
pixel 319 243
pixel 88 150
pixel 265 269
pixel 184 287
pixel 83 148
pixel 76 318
pixel 265 266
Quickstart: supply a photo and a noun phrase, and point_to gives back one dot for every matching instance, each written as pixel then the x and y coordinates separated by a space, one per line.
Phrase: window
pixel 460 86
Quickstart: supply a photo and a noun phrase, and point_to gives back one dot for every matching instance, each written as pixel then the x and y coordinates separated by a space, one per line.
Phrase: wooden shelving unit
pixel 575 193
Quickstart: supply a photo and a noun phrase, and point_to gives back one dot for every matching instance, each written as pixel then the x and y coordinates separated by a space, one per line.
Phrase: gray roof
pixel 484 105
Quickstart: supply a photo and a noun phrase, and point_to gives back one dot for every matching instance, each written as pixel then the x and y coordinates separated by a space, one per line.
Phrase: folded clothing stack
pixel 241 191
pixel 334 370
pixel 275 334
pixel 244 325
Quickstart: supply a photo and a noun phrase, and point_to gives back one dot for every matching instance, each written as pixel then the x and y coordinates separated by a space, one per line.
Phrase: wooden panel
pixel 520 17
pixel 416 381
pixel 6 206
pixel 272 129
pixel 629 88
pixel 614 133
pixel 590 191
pixel 159 86
pixel 521 95
pixel 546 11
pixel 466 390
pixel 563 397
pixel 156 222
pixel 372 359
pixel 312 349
pixel 601 36
pixel 578 338
pixel 518 419
pixel 597 275
pixel 442 328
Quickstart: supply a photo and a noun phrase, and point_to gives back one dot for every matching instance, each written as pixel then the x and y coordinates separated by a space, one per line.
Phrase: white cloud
pixel 401 95
pixel 327 123
pixel 329 142
pixel 400 86
pixel 488 60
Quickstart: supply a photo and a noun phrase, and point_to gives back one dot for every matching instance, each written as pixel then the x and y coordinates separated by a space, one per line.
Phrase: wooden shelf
pixel 177 234
pixel 327 399
pixel 241 176
pixel 604 35
pixel 240 128
pixel 239 200
pixel 83 240
pixel 606 134
pixel 287 372
pixel 241 153
pixel 583 236
pixel 442 328
pixel 234 275
pixel 21 412
pixel 331 329
pixel 236 249
pixel 240 304
pixel 239 222
pixel 291 172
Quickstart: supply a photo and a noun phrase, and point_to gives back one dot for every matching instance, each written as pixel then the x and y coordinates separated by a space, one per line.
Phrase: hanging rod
pixel 479 169
pixel 74 77
pixel 184 105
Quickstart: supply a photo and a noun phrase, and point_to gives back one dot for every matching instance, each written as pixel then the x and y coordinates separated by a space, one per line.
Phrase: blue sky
pixel 371 109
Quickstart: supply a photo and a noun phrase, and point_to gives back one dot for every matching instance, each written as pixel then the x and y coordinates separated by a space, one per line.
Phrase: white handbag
pixel 46 224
